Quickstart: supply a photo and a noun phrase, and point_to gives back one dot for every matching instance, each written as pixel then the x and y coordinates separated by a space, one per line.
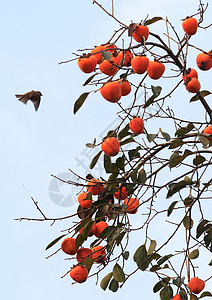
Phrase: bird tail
pixel 22 98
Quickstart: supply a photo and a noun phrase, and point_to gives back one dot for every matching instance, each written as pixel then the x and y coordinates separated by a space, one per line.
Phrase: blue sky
pixel 35 36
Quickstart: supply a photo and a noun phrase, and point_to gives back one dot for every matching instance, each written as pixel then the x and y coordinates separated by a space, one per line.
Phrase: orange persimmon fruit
pixel 85 203
pixel 84 253
pixel 204 61
pixel 124 59
pixel 176 297
pixel 95 187
pixel 121 193
pixel 100 226
pixel 141 31
pixel 155 69
pixel 110 146
pixel 96 52
pixel 108 67
pixel 68 246
pixel 208 130
pixel 136 125
pixel 125 87
pixel 99 253
pixel 193 85
pixel 87 63
pixel 190 26
pixel 111 91
pixel 196 285
pixel 190 73
pixel 139 64
pixel 79 274
pixel 132 205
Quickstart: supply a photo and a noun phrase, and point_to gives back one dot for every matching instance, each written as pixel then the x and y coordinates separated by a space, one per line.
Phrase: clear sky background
pixel 35 36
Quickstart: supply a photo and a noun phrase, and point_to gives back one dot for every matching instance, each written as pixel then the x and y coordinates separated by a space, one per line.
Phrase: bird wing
pixel 36 104
pixel 22 98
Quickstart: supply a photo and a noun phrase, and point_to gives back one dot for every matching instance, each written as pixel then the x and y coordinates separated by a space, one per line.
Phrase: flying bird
pixel 34 96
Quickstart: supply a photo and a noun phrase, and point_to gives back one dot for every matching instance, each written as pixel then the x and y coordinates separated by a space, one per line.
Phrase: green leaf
pixel 88 262
pixel 201 228
pixel 176 143
pixel 205 294
pixel 151 137
pixel 79 102
pixel 188 201
pixel 113 285
pixel 54 241
pixel 165 135
pixel 107 163
pixel 163 295
pixel 171 207
pixel 152 247
pixel 183 294
pixel 196 97
pixel 188 222
pixel 126 255
pixel 134 175
pixel 127 141
pixel 87 229
pixel 106 54
pixel 105 281
pixel 124 132
pixel 120 163
pixel 141 258
pixel 153 20
pixel 175 160
pixel 194 254
pixel 203 140
pixel 156 92
pixel 142 176
pixel 120 237
pixel 79 240
pixel 193 297
pixel 169 291
pixel 89 79
pixel 95 159
pixel 114 234
pixel 134 153
pixel 182 131
pixel 163 259
pixel 157 287
pixel 118 273
pixel 176 187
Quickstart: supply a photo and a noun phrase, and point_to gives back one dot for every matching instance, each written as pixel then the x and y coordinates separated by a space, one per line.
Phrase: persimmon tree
pixel 141 168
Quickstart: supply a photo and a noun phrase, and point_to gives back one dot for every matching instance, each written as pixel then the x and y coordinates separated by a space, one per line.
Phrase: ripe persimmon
pixel 100 226
pixel 141 32
pixel 85 203
pixel 110 146
pixel 125 87
pixel 124 60
pixel 132 205
pixel 79 274
pixel 196 285
pixel 111 91
pixel 84 253
pixel 121 193
pixel 204 61
pixel 95 187
pixel 97 54
pixel 68 246
pixel 193 85
pixel 176 297
pixel 99 254
pixel 139 64
pixel 136 125
pixel 87 63
pixel 155 69
pixel 109 67
pixel 190 73
pixel 208 130
pixel 110 47
pixel 190 26
pixel 92 232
